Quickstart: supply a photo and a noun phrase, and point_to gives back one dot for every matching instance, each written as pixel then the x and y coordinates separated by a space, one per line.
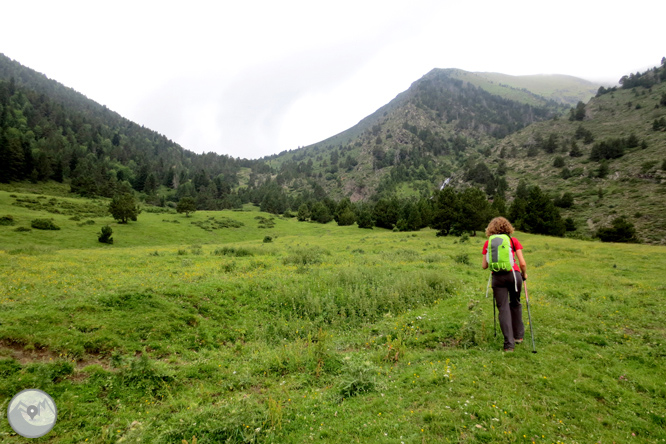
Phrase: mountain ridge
pixel 448 123
pixel 589 91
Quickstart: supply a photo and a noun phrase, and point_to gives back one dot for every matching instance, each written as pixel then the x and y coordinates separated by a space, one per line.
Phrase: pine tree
pixel 105 235
pixel 541 215
pixel 150 185
pixel 320 213
pixel 123 208
pixel 11 155
pixel 446 211
pixel 58 172
pixel 344 207
pixel 579 113
pixel 550 145
pixel 140 180
pixel 603 170
pixel 303 213
pixel 575 150
pixel 475 210
pixel 364 219
pixel 386 213
pixel 346 217
pixel 186 205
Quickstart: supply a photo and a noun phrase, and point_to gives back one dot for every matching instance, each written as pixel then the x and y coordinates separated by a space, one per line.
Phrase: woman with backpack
pixel 503 254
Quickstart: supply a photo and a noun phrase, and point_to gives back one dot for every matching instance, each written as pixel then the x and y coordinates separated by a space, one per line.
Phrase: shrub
pixel 621 230
pixel 346 217
pixel 20 229
pixel 365 219
pixel 565 173
pixel 303 213
pixel 44 224
pixel 265 222
pixel 268 239
pixel 320 213
pixel 462 258
pixel 7 220
pixel 105 235
pixel 565 201
pixel 647 166
pixel 231 251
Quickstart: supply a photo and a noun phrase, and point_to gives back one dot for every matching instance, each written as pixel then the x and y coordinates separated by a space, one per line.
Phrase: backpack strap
pixel 513 255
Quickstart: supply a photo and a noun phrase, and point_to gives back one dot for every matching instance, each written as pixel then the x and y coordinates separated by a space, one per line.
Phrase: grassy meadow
pixel 196 327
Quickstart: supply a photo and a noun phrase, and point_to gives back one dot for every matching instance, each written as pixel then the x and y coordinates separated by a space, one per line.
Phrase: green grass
pixel 563 89
pixel 326 334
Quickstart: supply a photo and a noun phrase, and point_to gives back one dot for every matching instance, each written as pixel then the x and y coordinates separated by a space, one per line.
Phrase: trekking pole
pixel 494 317
pixel 529 317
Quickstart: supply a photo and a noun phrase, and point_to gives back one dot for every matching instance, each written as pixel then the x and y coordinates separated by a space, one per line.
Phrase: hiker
pixel 507 278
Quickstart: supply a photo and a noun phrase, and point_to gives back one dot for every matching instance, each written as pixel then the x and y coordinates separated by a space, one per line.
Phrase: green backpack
pixel 500 253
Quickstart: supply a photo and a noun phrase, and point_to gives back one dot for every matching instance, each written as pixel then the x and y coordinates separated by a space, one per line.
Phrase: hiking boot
pixel 518 341
pixel 508 350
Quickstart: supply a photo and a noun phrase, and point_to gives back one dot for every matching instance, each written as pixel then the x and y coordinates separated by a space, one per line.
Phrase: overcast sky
pixel 253 78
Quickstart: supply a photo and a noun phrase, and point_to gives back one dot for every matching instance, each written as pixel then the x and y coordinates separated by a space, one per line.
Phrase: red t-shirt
pixel 516 246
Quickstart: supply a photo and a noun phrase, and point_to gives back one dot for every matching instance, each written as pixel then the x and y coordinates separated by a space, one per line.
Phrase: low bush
pixel 462 258
pixel 231 251
pixel 621 231
pixel 44 224
pixel 7 220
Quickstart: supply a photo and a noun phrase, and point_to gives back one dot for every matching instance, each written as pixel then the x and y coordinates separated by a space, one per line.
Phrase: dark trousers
pixel 509 306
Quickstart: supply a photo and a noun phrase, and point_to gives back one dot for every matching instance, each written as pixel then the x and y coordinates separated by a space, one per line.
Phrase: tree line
pixel 449 211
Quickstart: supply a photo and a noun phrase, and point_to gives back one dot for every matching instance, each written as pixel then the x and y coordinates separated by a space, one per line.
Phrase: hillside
pixel 630 183
pixel 417 138
pixel 51 132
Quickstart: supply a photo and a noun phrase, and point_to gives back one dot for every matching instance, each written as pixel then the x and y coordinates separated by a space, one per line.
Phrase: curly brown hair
pixel 499 225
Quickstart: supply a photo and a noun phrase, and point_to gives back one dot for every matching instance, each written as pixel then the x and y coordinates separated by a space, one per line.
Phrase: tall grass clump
pixel 306 256
pixel 355 295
